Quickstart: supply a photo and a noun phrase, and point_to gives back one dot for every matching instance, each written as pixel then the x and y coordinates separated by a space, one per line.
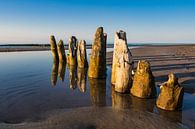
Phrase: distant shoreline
pixel 46 47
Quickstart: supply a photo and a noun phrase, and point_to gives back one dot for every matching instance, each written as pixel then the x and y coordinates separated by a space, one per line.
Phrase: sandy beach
pixel 97 64
pixel 98 118
pixel 178 59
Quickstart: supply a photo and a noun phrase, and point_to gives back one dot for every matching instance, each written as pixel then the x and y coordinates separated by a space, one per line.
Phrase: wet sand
pixel 164 59
pixel 98 118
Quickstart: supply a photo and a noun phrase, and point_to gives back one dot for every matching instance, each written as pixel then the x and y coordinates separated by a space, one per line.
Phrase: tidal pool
pixel 31 85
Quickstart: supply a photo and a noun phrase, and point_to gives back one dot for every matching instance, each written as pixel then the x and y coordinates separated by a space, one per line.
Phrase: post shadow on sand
pixel 173 66
pixel 163 78
pixel 189 86
pixel 58 70
pixel 153 58
pixel 97 91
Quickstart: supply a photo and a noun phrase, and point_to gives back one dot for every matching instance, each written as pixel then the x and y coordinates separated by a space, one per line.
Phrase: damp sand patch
pixel 98 118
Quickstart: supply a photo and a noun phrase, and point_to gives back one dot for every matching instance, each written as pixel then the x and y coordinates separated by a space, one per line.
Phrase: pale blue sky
pixel 152 21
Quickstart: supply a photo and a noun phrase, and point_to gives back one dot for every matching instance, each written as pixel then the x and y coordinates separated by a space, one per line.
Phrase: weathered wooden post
pixel 171 94
pixel 143 81
pixel 72 47
pixel 53 48
pixel 97 66
pixel 122 64
pixel 61 51
pixel 82 55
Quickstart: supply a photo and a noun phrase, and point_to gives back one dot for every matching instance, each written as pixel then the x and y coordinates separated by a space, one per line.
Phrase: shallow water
pixel 31 85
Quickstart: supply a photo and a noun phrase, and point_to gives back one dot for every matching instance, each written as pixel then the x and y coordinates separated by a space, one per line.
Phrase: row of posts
pixel 141 84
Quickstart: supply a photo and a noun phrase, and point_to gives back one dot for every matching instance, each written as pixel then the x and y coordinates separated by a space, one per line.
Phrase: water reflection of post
pixel 120 101
pixel 73 76
pixel 175 116
pixel 62 70
pixel 81 80
pixel 54 75
pixel 98 91
pixel 143 104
